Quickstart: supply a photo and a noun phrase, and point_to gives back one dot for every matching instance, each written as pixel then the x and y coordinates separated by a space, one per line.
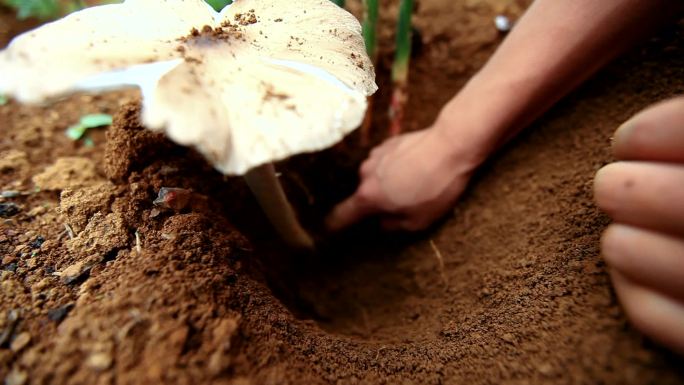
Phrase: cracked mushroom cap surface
pixel 258 82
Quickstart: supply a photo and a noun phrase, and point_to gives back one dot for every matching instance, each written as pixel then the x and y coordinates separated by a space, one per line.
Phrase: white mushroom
pixel 256 83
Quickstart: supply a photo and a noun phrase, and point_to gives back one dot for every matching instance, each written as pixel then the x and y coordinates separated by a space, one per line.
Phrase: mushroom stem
pixel 265 186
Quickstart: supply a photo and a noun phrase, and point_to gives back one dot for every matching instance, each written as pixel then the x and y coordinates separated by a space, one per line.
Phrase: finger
pixel 649 195
pixel 651 259
pixel 350 211
pixel 656 133
pixel 367 167
pixel 654 314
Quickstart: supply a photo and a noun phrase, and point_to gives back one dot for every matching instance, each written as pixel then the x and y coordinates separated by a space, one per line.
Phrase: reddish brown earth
pixel 206 295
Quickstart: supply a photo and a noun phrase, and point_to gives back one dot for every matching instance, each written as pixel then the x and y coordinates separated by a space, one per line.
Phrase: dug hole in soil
pixel 99 286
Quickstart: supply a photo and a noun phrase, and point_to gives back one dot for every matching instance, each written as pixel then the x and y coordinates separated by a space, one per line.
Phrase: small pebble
pixel 60 313
pixel 38 242
pixel 99 361
pixel 509 337
pixel 72 273
pixel 9 194
pixel 12 320
pixel 16 377
pixel 8 209
pixel 20 342
pixel 503 23
pixel 9 259
pixel 173 198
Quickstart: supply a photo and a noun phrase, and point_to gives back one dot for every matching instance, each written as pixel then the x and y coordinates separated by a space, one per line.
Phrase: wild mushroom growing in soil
pixel 255 83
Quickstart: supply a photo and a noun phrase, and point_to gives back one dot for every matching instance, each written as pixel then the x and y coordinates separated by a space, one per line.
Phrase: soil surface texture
pixel 101 286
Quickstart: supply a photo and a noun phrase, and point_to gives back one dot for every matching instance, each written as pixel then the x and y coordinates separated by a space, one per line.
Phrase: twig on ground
pixel 440 262
pixel 69 231
pixel 138 244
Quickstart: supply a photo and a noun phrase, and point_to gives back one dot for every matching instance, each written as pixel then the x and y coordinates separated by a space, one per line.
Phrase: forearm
pixel 554 47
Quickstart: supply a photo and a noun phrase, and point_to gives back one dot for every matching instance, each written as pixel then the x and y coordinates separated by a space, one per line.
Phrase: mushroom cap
pixel 256 83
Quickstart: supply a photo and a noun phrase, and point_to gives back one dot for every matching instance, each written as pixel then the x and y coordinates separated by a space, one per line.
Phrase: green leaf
pixel 96 120
pixel 219 4
pixel 77 131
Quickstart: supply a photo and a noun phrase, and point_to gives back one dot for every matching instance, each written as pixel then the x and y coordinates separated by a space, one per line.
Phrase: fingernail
pixel 623 133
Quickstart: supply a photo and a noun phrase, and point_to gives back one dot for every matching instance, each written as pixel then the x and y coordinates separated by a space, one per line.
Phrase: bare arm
pixel 411 180
pixel 556 45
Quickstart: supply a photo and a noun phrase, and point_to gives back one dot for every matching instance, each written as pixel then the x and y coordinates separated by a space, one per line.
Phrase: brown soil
pixel 131 293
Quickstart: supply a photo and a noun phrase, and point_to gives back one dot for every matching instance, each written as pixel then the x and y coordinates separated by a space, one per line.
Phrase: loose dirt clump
pixel 67 172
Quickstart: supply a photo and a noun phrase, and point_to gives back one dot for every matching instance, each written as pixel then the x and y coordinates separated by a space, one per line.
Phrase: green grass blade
pixel 370 27
pixel 402 56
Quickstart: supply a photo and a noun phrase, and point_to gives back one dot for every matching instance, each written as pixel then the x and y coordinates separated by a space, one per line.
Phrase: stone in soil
pixel 9 209
pixel 58 314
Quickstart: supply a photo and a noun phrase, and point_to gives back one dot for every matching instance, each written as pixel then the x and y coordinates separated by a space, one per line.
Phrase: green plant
pixel 219 4
pixel 400 68
pixel 41 9
pixel 3 100
pixel 339 2
pixel 77 131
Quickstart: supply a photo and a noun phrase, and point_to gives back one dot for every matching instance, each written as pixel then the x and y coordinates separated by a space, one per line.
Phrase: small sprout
pixel 77 131
pixel 256 83
pixel 503 23
pixel 3 100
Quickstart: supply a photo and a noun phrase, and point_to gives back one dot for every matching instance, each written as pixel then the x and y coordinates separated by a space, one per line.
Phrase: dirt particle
pixel 58 314
pixel 74 272
pixel 510 338
pixel 16 377
pixel 37 243
pixel 99 361
pixel 9 209
pixel 20 342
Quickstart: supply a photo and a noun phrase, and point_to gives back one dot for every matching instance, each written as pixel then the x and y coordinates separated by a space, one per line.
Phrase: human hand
pixel 644 194
pixel 408 181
